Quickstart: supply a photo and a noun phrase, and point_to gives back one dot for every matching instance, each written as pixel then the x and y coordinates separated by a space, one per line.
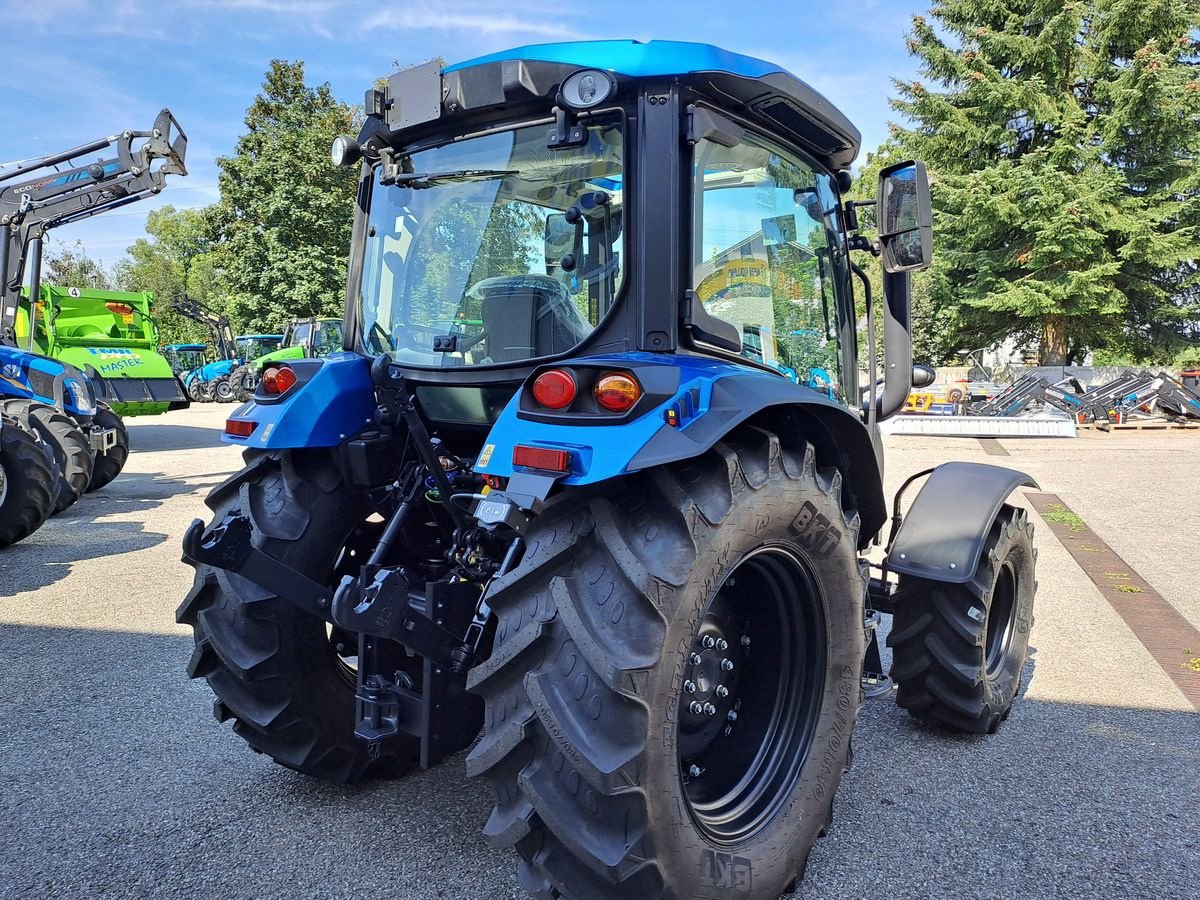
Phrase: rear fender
pixel 942 536
pixel 707 398
pixel 333 399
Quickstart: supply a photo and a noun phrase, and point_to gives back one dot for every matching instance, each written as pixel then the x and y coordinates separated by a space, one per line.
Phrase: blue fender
pixel 709 399
pixel 333 399
pixel 942 537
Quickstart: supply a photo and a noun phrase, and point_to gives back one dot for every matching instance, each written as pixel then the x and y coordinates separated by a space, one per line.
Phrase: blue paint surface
pixel 635 59
pixel 18 375
pixel 600 452
pixel 336 403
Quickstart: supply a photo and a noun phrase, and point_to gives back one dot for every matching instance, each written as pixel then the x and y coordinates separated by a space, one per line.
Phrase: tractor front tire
pixel 274 668
pixel 223 390
pixel 675 678
pixel 107 466
pixel 194 393
pixel 72 454
pixel 959 649
pixel 26 482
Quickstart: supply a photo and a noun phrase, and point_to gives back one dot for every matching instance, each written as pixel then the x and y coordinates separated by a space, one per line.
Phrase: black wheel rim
pixel 1000 618
pixel 751 694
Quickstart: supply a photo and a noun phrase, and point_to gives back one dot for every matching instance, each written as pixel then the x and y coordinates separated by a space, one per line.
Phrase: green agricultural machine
pixel 304 339
pixel 110 333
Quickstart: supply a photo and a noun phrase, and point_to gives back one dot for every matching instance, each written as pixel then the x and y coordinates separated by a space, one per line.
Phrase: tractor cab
pixel 316 337
pixel 252 346
pixel 584 200
pixel 184 358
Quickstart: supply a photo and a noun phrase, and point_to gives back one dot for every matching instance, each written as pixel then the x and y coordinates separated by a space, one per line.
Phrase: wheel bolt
pixel 731 716
pixel 709 709
pixel 695 659
pixel 695 771
pixel 728 730
pixel 722 691
pixel 696 708
pixel 722 644
pixel 709 642
pixel 690 687
pixel 727 665
pixel 745 640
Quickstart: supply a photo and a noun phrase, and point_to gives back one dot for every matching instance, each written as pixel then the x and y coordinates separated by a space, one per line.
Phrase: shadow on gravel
pixel 96 526
pixel 158 438
pixel 119 782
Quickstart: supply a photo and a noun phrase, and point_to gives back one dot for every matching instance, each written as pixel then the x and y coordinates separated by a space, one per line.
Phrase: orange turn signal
pixel 279 379
pixel 617 392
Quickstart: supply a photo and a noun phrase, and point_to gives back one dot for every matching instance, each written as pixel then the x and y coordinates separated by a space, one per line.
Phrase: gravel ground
pixel 118 782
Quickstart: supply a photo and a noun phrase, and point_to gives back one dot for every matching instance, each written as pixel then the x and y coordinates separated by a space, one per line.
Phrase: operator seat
pixel 528 316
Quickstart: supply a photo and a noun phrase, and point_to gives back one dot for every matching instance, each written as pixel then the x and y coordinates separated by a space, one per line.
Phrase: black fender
pixel 942 536
pixel 836 433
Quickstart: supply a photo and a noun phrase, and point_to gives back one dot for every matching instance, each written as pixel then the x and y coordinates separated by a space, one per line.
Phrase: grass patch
pixel 1056 512
pixel 1193 664
pixel 1129 589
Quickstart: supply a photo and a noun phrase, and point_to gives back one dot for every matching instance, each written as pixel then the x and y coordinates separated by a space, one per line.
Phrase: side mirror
pixel 905 217
pixel 923 376
pixel 563 245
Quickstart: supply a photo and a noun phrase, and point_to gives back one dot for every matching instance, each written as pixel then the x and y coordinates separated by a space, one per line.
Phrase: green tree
pixel 283 221
pixel 175 258
pixel 72 267
pixel 1062 141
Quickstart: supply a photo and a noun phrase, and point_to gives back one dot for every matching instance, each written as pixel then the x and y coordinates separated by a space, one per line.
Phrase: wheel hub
pixel 3 486
pixel 710 680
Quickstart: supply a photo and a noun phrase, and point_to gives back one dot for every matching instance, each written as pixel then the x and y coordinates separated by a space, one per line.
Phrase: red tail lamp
pixel 121 309
pixel 543 458
pixel 554 389
pixel 617 392
pixel 279 379
pixel 240 427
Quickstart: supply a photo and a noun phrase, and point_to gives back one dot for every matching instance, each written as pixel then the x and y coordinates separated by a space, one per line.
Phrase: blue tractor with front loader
pixel 59 406
pixel 567 488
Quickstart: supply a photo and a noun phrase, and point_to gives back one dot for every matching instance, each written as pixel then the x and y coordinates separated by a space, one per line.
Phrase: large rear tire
pixel 675 678
pixel 276 670
pixel 959 649
pixel 107 466
pixel 72 454
pixel 26 482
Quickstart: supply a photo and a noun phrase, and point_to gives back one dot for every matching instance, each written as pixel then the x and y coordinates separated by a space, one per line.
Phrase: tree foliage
pixel 1062 141
pixel 175 258
pixel 283 222
pixel 72 267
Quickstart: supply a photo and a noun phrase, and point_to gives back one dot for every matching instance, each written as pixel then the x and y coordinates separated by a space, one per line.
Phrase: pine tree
pixel 284 218
pixel 1062 141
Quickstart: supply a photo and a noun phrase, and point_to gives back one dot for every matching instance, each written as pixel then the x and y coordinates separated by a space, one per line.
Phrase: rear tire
pixel 26 482
pixel 590 729
pixel 72 453
pixel 959 649
pixel 240 378
pixel 194 393
pixel 108 466
pixel 273 667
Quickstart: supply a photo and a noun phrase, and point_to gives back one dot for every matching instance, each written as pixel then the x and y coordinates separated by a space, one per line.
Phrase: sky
pixel 77 70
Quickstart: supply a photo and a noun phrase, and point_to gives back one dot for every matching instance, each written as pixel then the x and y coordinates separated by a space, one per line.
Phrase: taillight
pixel 279 379
pixel 121 309
pixel 542 458
pixel 240 427
pixel 617 392
pixel 554 389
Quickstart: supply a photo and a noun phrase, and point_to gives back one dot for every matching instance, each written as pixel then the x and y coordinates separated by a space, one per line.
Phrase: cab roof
pixel 764 90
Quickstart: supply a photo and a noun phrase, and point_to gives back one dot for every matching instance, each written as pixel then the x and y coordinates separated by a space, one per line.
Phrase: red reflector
pixel 279 379
pixel 121 309
pixel 542 458
pixel 554 389
pixel 240 427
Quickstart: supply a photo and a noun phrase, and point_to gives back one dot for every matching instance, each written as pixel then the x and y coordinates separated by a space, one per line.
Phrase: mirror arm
pixel 897 343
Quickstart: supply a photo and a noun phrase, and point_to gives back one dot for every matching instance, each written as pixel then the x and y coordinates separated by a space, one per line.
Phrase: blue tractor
pixel 546 494
pixel 55 401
